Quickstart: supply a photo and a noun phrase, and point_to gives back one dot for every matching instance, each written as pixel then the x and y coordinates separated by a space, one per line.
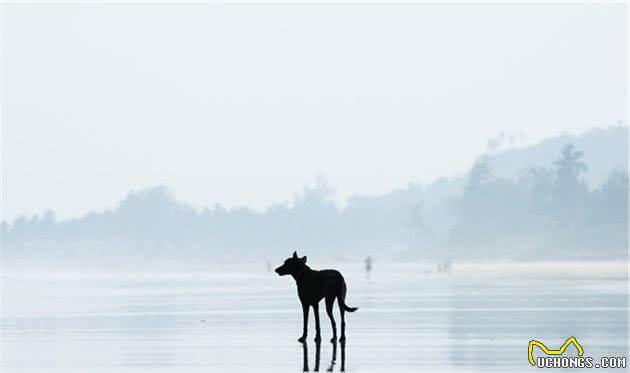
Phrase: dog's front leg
pixel 318 336
pixel 305 327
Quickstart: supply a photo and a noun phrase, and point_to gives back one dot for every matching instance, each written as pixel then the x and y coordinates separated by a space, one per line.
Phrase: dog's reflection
pixel 333 360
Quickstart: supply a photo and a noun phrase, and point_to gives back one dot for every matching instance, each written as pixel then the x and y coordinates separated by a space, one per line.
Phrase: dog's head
pixel 292 265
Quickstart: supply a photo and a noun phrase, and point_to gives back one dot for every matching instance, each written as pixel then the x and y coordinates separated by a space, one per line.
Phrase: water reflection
pixel 333 360
pixel 503 316
pixel 413 322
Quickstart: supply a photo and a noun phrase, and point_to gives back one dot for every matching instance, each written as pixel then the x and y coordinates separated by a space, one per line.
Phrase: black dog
pixel 312 287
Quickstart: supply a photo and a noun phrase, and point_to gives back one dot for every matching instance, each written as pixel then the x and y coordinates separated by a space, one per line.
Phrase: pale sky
pixel 245 104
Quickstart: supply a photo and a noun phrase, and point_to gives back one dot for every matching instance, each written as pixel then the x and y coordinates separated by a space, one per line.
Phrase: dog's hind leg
pixel 305 327
pixel 341 303
pixel 343 325
pixel 329 310
pixel 318 336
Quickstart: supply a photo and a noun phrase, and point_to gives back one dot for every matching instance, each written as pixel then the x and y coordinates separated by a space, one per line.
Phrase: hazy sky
pixel 244 104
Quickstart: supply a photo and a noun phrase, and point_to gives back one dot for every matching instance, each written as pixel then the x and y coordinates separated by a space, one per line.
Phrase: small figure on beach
pixel 444 266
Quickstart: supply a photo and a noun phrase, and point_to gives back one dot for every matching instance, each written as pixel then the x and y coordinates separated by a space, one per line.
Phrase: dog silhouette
pixel 314 285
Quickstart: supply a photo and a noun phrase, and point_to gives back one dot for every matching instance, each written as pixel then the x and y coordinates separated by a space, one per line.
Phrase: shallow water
pixel 243 318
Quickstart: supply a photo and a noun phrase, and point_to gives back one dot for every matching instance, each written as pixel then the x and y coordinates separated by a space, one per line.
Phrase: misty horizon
pixel 496 147
pixel 530 199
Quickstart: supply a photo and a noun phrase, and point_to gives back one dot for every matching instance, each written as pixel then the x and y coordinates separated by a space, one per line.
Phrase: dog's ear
pixel 295 255
pixel 303 259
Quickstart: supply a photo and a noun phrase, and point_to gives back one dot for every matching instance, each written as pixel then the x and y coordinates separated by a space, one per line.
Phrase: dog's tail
pixel 342 298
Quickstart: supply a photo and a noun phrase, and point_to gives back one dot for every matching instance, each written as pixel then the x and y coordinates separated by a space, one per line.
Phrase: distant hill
pixel 605 149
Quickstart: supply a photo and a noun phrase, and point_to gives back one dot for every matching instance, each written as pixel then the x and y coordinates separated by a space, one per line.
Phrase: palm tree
pixel 570 165
pixel 569 192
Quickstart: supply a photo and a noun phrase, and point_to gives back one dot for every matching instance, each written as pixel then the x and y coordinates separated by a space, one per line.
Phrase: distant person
pixel 368 266
pixel 445 266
